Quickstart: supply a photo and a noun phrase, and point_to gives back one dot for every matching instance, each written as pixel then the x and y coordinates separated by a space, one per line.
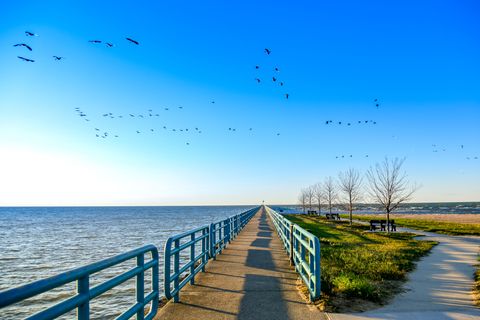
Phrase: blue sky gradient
pixel 420 59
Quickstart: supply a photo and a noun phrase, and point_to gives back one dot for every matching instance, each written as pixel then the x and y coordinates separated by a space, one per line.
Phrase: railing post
pixel 167 268
pixel 176 269
pixel 227 230
pixel 204 248
pixel 291 246
pixel 140 286
pixel 212 241
pixel 83 311
pixel 317 270
pixel 192 257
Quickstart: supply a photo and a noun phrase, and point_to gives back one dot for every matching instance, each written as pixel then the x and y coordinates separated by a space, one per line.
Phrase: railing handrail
pixel 85 293
pixel 297 242
pixel 214 239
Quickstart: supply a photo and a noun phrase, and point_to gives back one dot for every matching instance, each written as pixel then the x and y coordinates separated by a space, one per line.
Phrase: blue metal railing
pixel 303 249
pixel 81 301
pixel 208 241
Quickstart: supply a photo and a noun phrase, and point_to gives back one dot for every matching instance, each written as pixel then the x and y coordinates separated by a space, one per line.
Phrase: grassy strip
pixel 476 285
pixel 443 227
pixel 361 266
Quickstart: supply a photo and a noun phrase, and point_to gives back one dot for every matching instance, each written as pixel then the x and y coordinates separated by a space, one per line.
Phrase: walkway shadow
pixel 261 243
pixel 263 299
pixel 261 259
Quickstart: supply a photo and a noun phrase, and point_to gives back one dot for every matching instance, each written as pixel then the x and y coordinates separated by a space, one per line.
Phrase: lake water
pixel 36 243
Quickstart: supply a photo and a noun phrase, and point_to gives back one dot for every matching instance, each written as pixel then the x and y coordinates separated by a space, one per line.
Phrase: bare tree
pixel 350 183
pixel 310 192
pixel 318 196
pixel 302 199
pixel 389 186
pixel 330 192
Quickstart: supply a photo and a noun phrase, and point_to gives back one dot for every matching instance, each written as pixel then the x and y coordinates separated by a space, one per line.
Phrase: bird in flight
pixel 257 67
pixel 281 83
pixel 267 51
pixel 133 41
pixel 95 41
pixel 23 45
pixel 30 34
pixel 258 80
pixel 286 96
pixel 274 79
pixel 57 58
pixel 276 69
pixel 25 59
pixel 108 44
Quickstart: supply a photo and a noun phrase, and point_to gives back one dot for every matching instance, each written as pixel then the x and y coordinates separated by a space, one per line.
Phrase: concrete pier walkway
pixel 251 279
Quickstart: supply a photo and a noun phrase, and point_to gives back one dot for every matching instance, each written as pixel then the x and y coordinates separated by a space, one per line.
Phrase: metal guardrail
pixel 208 241
pixel 81 301
pixel 303 249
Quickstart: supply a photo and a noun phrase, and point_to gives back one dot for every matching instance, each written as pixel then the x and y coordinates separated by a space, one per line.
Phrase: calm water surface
pixel 39 242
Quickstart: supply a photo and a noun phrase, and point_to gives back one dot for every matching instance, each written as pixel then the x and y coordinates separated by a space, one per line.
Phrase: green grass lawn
pixel 429 225
pixel 361 265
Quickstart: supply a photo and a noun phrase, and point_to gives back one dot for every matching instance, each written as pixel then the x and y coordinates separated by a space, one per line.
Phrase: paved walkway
pixel 251 279
pixel 440 286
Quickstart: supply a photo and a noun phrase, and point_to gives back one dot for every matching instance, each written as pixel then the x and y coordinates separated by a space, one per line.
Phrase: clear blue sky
pixel 419 58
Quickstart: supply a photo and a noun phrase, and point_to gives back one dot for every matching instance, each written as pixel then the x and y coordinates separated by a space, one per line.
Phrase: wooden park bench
pixel 381 224
pixel 332 216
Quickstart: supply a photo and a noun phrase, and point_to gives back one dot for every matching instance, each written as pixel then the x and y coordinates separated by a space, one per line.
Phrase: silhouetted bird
pixel 274 79
pixel 23 45
pixel 276 69
pixel 95 41
pixel 30 34
pixel 287 96
pixel 188 143
pixel 138 131
pixel 258 80
pixel 133 41
pixel 25 59
pixel 257 67
pixel 281 83
pixel 57 58
pixel 108 44
pixel 267 51
pixel 166 109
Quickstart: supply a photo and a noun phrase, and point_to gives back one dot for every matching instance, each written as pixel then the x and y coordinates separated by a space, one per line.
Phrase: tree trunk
pixel 388 221
pixel 350 209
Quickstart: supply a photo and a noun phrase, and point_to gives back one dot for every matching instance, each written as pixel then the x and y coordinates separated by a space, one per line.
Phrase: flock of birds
pixel 58 58
pixel 440 149
pixel 272 75
pixel 29 48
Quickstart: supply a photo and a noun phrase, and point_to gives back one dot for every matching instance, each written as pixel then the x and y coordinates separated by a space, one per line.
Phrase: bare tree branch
pixel 350 183
pixel 389 186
